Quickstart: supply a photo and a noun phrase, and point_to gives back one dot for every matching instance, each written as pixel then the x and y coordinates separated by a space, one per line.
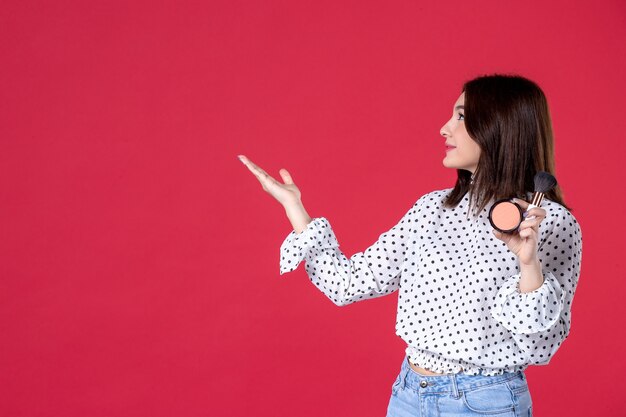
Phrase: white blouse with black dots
pixel 459 305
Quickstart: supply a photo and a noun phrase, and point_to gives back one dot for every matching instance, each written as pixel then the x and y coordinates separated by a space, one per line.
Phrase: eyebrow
pixel 459 107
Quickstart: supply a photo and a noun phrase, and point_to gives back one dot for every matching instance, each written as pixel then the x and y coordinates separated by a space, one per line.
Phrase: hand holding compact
pixel 524 243
pixel 522 236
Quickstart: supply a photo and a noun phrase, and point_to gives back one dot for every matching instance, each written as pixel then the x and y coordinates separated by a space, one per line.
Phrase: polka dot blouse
pixel 459 304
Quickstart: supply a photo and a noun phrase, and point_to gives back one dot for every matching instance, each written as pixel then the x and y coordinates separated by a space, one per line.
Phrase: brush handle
pixel 536 199
pixel 534 202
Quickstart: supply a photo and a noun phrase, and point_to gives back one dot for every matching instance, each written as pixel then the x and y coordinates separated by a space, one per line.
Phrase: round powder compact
pixel 506 216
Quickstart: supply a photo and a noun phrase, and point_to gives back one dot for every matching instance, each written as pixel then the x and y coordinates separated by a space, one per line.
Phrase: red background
pixel 140 258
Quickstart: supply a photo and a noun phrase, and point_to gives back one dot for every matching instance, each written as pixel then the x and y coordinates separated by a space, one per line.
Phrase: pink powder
pixel 506 215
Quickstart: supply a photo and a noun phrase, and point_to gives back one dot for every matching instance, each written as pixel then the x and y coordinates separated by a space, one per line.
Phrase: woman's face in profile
pixel 462 152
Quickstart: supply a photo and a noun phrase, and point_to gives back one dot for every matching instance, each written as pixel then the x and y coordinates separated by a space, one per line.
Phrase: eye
pixel 461 115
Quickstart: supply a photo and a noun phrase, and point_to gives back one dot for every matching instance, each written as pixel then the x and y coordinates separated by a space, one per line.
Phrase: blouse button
pixel 423 384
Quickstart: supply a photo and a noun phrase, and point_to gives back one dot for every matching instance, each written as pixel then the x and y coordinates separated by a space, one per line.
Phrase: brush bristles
pixel 544 182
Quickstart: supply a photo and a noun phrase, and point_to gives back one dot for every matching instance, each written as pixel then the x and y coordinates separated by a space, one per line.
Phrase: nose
pixel 443 132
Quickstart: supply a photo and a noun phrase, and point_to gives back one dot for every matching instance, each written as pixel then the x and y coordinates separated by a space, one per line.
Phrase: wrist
pixel 293 205
pixel 298 216
pixel 532 263
pixel 531 276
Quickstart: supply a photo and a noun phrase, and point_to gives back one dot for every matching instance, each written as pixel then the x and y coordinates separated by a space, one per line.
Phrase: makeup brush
pixel 506 215
pixel 544 182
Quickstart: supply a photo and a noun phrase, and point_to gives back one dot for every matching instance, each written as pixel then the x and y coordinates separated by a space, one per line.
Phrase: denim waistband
pixel 450 383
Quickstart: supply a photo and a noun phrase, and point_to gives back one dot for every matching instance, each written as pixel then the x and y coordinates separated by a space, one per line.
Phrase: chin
pixel 448 165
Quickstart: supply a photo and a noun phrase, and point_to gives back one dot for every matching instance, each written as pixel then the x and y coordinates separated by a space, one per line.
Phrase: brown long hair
pixel 508 117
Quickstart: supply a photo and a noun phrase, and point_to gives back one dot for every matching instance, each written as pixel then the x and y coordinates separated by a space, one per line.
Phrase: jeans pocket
pixel 517 385
pixel 521 392
pixel 524 401
pixel 492 399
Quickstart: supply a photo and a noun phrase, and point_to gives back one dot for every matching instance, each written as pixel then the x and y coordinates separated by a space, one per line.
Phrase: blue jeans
pixel 417 395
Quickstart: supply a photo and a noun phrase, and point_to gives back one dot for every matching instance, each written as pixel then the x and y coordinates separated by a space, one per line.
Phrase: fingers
pixel 528 232
pixel 252 166
pixel 286 176
pixel 264 176
pixel 534 215
pixel 256 170
pixel 505 237
pixel 530 224
pixel 524 204
pixel 529 228
pixel 535 211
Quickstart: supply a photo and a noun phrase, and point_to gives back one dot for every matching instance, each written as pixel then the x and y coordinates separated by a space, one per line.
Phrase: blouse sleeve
pixel 375 272
pixel 539 321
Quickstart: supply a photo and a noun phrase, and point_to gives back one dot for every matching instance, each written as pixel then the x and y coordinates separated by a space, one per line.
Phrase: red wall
pixel 140 258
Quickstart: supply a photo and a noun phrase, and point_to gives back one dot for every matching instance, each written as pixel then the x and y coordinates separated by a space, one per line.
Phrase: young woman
pixel 476 307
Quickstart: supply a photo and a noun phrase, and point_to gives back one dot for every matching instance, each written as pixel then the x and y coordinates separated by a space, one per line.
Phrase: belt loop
pixel 406 367
pixel 405 373
pixel 455 388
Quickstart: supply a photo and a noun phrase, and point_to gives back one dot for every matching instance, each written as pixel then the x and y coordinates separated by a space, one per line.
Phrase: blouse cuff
pixel 318 235
pixel 530 312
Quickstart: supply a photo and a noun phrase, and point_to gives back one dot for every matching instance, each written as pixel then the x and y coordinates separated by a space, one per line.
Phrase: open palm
pixel 286 193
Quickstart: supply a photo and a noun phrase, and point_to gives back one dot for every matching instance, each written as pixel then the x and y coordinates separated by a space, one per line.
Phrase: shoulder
pixel 436 196
pixel 559 219
pixel 430 202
